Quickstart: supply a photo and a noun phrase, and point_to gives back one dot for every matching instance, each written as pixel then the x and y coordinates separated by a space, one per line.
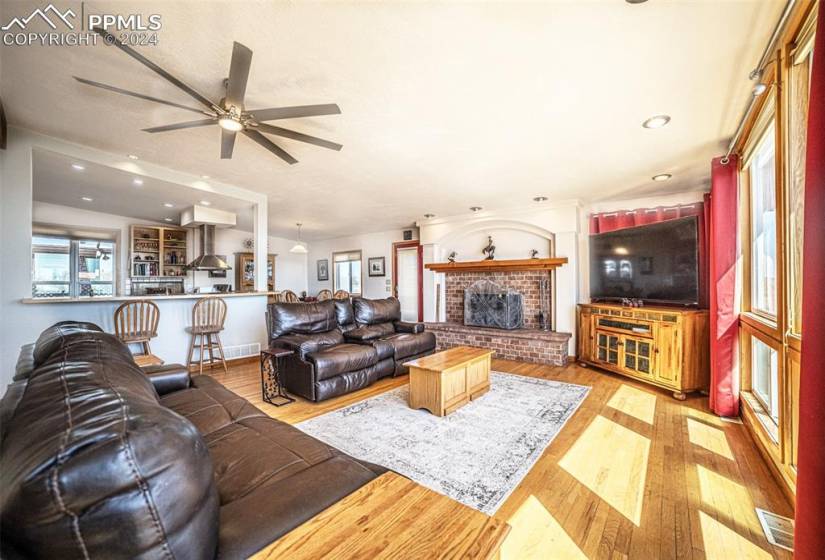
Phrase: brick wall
pixel 538 347
pixel 524 282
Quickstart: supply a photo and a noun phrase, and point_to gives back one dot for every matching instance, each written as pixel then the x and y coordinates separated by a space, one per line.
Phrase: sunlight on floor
pixel 634 402
pixel 611 461
pixel 702 415
pixel 535 533
pixel 722 543
pixel 708 437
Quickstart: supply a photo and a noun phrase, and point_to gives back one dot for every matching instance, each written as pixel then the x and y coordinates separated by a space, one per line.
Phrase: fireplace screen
pixel 486 304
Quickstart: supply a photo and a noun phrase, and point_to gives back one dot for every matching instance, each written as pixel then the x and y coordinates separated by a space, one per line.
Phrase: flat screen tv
pixel 657 263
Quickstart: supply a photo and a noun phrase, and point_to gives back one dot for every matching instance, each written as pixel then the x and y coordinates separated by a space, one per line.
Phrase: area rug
pixel 477 455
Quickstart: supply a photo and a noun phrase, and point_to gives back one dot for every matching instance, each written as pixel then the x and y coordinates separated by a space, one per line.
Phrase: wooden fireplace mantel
pixel 498 266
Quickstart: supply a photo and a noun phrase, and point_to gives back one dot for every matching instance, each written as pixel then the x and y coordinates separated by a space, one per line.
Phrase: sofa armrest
pixel 303 344
pixel 405 327
pixel 168 378
pixel 369 332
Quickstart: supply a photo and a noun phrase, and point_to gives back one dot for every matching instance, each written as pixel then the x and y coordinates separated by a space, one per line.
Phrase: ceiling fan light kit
pixel 229 114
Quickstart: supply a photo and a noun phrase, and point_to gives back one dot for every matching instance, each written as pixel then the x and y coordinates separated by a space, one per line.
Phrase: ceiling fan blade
pixel 294 112
pixel 178 126
pixel 286 133
pixel 110 39
pixel 238 75
pixel 269 145
pixel 135 94
pixel 227 143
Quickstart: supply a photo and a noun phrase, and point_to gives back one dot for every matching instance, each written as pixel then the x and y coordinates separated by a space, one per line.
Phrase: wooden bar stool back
pixel 341 294
pixel 208 316
pixel 136 322
pixel 288 296
pixel 324 295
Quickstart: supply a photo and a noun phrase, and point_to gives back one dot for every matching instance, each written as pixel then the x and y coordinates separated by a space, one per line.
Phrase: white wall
pixel 371 245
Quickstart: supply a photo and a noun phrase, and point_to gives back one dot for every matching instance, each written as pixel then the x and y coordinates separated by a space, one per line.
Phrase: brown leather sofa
pixel 377 322
pixel 341 346
pixel 100 460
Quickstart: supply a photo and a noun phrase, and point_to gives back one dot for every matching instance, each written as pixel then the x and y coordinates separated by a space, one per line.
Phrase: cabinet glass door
pixel 637 355
pixel 607 348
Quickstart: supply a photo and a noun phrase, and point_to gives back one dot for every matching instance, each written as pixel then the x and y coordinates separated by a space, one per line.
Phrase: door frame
pixel 406 245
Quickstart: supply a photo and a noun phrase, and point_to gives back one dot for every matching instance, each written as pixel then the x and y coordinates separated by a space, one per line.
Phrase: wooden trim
pixel 406 244
pixel 498 266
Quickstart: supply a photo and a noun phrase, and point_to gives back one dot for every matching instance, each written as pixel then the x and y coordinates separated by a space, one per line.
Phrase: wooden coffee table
pixel 447 380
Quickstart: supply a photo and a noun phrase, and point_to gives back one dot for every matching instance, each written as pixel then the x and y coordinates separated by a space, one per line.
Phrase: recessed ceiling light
pixel 168 204
pixel 78 167
pixel 662 177
pixel 205 177
pixel 167 219
pixel 428 216
pixel 656 122
pixel 206 203
pixel 87 198
pixel 475 208
pixel 133 156
pixel 230 124
pixel 540 199
pixel 138 182
pixel 635 1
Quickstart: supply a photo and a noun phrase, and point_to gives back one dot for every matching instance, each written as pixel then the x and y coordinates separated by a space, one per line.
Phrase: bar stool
pixel 324 295
pixel 341 294
pixel 288 296
pixel 136 322
pixel 208 316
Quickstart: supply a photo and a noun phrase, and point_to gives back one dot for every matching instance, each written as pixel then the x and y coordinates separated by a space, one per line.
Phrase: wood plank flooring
pixel 634 474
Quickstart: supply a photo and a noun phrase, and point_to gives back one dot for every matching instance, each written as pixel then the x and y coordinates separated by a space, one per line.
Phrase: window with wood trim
pixel 761 169
pixel 346 272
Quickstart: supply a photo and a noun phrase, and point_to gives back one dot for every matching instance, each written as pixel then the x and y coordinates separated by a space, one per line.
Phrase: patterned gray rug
pixel 477 455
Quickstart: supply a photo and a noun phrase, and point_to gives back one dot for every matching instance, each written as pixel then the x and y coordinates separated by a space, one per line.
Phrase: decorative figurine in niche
pixel 534 254
pixel 489 250
pixel 451 257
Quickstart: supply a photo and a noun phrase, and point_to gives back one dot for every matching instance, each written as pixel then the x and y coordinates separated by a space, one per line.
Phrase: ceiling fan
pixel 229 113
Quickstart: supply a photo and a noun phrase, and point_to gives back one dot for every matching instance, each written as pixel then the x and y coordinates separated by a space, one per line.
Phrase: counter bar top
pixel 104 299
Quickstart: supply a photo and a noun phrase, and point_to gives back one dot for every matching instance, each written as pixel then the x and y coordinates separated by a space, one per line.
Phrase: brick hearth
pixel 526 345
pixel 524 282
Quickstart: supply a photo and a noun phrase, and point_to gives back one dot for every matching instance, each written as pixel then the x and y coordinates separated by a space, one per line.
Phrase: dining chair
pixel 288 296
pixel 341 294
pixel 324 295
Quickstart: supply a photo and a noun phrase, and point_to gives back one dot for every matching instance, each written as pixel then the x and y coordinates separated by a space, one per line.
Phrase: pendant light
pixel 299 248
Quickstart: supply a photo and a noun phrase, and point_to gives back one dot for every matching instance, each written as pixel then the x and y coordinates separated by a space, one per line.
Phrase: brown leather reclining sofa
pixel 100 460
pixel 341 346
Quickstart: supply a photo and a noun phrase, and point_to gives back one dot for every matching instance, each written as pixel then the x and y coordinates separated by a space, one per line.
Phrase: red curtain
pixel 724 320
pixel 611 221
pixel 810 482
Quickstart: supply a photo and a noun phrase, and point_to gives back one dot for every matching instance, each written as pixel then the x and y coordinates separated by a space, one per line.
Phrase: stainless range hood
pixel 208 260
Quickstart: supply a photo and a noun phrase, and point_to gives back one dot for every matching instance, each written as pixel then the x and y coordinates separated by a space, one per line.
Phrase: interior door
pixel 407 282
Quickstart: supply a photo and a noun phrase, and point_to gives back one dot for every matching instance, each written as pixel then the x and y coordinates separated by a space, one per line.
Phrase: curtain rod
pixel 756 74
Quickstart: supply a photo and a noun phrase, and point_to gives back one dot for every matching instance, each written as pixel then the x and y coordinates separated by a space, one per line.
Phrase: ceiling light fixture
pixel 635 1
pixel 299 247
pixel 204 176
pixel 662 177
pixel 137 182
pixel 656 122
pixel 168 204
pixel 167 219
pixel 540 199
pixel 133 156
pixel 759 89
pixel 87 198
pixel 428 216
pixel 77 167
pixel 475 208
pixel 230 124
pixel 206 203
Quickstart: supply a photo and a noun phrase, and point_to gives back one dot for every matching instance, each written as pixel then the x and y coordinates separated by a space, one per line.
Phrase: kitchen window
pixel 346 272
pixel 72 267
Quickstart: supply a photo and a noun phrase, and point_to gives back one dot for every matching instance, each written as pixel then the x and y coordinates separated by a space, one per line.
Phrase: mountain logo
pixel 44 15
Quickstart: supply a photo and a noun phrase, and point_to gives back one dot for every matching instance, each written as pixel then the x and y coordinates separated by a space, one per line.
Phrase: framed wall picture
pixel 376 266
pixel 323 270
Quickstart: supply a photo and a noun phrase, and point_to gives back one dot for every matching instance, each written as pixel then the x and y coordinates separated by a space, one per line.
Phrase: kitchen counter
pixel 104 299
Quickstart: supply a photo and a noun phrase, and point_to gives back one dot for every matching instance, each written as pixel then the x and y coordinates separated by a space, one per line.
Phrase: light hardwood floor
pixel 634 474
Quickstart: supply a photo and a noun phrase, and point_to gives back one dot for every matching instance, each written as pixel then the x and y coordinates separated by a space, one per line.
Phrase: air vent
pixel 778 529
pixel 242 350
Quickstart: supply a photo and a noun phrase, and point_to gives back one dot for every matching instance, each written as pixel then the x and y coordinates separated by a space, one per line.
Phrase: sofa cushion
pixel 406 344
pixel 88 448
pixel 372 311
pixel 383 348
pixel 342 358
pixel 301 318
pixel 369 332
pixel 343 312
pixel 59 334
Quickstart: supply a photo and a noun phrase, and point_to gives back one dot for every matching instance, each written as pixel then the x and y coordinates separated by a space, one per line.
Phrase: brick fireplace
pixel 528 344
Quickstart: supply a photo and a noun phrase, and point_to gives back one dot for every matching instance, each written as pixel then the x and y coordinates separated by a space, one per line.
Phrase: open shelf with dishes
pixel 157 252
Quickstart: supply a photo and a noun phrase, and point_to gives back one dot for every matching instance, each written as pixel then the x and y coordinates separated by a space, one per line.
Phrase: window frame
pixel 359 260
pixel 74 281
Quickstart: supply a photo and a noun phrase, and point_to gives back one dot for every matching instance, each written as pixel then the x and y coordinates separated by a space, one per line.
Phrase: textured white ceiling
pixel 445 105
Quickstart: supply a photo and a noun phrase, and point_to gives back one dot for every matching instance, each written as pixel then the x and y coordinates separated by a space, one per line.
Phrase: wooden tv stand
pixel 664 346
